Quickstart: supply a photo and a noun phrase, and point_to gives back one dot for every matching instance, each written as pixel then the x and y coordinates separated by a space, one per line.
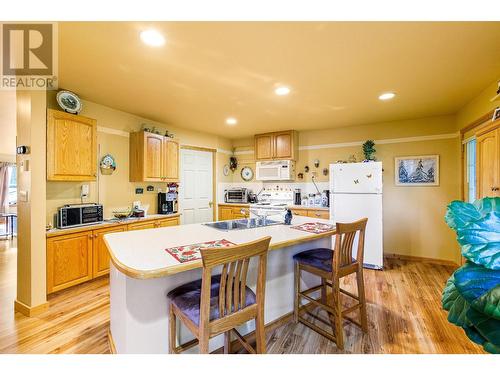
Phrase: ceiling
pixel 208 71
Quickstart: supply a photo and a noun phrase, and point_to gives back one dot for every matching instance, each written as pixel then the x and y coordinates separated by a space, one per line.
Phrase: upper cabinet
pixel 71 147
pixel 278 145
pixel 488 161
pixel 153 158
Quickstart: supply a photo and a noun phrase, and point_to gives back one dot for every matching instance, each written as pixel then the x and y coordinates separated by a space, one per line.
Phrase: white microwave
pixel 276 170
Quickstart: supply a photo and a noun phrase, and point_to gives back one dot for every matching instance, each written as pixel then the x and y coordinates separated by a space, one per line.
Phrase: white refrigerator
pixel 355 193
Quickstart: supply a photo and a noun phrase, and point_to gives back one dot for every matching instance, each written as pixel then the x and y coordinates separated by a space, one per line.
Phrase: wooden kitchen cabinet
pixel 153 158
pixel 278 145
pixel 171 166
pixel 167 222
pixel 264 146
pixel 233 212
pixel 225 213
pixel 71 147
pixel 488 161
pixel 140 226
pixel 83 255
pixel 69 260
pixel 320 214
pixel 100 252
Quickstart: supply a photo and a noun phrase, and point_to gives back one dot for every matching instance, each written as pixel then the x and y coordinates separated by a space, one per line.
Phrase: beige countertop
pixel 141 254
pixel 107 223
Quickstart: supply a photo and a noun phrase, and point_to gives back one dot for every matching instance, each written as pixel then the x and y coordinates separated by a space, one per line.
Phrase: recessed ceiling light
pixel 152 38
pixel 231 121
pixel 282 90
pixel 387 96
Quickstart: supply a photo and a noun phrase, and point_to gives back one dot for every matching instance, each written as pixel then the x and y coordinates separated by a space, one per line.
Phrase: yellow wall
pixel 115 191
pixel 413 216
pixel 478 106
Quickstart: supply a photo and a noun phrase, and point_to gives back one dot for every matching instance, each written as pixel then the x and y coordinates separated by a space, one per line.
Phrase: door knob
pixel 210 204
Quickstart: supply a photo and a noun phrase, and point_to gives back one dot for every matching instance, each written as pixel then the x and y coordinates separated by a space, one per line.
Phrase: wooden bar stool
pixel 220 303
pixel 331 266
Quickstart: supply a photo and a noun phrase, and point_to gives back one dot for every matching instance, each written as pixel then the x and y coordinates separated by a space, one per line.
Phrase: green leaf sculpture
pixel 472 294
pixel 478 232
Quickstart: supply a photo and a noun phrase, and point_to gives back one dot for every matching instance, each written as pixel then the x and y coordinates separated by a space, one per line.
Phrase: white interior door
pixel 196 186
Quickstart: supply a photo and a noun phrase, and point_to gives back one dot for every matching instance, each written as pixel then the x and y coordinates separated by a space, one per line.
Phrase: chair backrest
pixel 344 244
pixel 234 261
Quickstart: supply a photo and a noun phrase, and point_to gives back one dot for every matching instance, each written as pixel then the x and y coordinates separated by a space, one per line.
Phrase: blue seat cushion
pixel 187 299
pixel 318 258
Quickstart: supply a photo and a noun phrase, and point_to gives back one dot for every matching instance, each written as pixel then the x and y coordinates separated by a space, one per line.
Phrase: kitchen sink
pixel 242 224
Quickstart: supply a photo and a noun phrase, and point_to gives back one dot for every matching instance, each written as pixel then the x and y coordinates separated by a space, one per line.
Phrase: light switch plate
pixel 23 195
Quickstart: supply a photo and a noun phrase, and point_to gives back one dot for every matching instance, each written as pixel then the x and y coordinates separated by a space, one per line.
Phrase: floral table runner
pixel 188 253
pixel 316 228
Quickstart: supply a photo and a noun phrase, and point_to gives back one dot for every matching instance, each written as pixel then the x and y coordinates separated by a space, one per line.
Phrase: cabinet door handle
pixel 90 236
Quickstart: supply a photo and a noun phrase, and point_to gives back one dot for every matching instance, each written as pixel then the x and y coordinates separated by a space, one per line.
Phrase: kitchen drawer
pixel 320 214
pixel 241 211
pixel 139 226
pixel 299 212
pixel 167 222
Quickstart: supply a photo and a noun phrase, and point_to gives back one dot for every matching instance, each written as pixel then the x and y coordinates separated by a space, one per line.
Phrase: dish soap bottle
pixel 288 217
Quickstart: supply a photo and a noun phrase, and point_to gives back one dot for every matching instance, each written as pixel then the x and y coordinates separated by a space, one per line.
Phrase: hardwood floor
pixel 404 314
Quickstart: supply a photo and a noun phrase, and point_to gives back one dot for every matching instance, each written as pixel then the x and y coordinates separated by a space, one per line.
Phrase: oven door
pixel 69 217
pixel 236 196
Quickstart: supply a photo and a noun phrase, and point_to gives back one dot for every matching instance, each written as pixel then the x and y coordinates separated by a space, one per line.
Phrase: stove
pixel 273 201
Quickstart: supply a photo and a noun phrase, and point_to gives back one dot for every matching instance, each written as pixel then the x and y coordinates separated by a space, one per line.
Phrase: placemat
pixel 188 253
pixel 316 228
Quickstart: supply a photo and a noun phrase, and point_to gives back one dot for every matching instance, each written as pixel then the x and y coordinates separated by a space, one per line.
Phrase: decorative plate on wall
pixel 246 173
pixel 225 170
pixel 69 101
pixel 108 164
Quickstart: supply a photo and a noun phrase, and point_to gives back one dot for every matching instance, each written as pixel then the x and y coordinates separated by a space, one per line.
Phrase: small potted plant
pixel 369 151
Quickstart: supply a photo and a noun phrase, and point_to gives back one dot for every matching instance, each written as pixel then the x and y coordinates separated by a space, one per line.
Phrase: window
pixel 470 167
pixel 12 185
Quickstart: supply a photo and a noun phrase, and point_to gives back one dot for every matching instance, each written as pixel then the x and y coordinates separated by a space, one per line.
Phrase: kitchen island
pixel 143 272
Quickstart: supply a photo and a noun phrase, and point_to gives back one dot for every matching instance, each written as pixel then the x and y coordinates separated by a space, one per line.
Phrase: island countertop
pixel 142 254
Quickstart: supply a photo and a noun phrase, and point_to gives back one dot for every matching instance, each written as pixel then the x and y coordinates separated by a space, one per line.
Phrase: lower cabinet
pixel 69 260
pixel 78 257
pixel 320 214
pixel 233 212
pixel 167 222
pixel 139 226
pixel 100 252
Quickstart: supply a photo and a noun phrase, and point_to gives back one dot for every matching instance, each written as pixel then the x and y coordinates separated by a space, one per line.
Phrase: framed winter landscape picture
pixel 417 170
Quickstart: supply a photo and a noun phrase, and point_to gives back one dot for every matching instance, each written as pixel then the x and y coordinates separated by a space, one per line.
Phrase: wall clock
pixel 69 101
pixel 246 173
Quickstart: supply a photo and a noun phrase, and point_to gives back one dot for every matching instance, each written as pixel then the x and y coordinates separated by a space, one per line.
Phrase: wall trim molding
pixel 420 138
pixel 223 151
pixel 384 141
pixel 30 311
pixel 121 133
pixel 8 158
pixel 414 258
pixel 244 152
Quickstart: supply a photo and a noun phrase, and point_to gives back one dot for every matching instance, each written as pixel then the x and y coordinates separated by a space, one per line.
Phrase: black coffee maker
pixel 167 202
